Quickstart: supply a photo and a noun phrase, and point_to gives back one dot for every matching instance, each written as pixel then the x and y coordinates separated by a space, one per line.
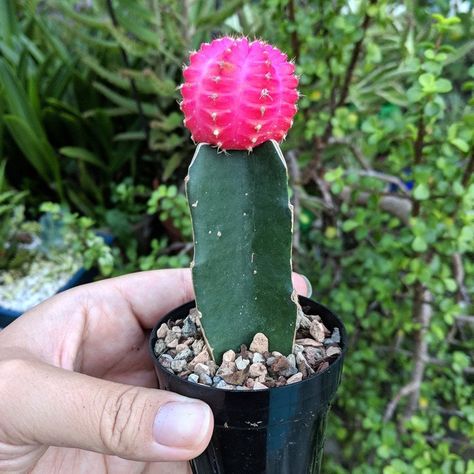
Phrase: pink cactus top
pixel 238 94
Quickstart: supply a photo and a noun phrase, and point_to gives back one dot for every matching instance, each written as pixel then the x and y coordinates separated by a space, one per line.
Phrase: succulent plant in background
pixel 239 99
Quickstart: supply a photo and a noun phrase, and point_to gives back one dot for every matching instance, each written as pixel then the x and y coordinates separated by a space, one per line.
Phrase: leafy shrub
pixel 386 196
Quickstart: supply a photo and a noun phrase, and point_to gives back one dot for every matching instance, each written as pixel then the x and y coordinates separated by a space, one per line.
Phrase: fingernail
pixel 181 425
pixel 309 288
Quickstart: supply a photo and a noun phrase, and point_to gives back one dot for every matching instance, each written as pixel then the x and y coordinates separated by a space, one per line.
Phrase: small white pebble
pixel 241 364
pixel 228 356
pixel 298 377
pixel 193 378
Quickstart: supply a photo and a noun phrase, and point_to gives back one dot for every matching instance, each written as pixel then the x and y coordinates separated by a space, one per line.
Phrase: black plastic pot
pixel 275 431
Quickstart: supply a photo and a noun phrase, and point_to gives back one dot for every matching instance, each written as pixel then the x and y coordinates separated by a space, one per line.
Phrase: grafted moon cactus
pixel 240 96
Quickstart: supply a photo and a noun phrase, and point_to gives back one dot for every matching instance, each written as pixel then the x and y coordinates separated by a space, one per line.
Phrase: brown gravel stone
pixel 270 382
pixel 172 344
pixel 212 367
pixel 317 331
pixel 178 365
pixel 333 350
pixel 259 343
pixel 165 360
pixel 201 368
pixel 297 348
pixel 313 355
pixel 236 378
pixel 303 365
pixel 302 321
pixel 162 331
pixel 203 356
pixel 160 347
pixel 244 351
pixel 298 377
pixel 228 356
pixel 257 370
pixel 308 342
pixel 226 369
pixel 197 346
pixel 250 383
pixel 171 336
pixel 270 360
pixel 322 367
pixel 281 363
pixel 186 354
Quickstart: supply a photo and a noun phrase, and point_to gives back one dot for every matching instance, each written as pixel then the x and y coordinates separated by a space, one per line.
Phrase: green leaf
pixel 148 109
pixel 216 18
pixel 450 284
pixel 138 135
pixel 427 81
pixel 30 145
pixel 349 225
pixel 8 20
pixel 443 85
pixel 112 77
pixel 82 154
pixel 414 94
pixel 421 192
pixel 171 165
pixel 334 174
pixel 17 100
pixel 419 245
pixel 460 144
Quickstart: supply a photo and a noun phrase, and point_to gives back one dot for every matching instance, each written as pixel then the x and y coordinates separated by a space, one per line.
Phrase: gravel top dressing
pixel 181 350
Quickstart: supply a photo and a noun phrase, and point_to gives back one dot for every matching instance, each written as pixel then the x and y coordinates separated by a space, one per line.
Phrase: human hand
pixel 77 386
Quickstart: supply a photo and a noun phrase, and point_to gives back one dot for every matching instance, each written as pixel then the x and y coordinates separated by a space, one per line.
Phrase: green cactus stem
pixel 242 224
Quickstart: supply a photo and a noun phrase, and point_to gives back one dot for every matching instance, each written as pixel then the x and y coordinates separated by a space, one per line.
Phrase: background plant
pixel 11 216
pixel 381 159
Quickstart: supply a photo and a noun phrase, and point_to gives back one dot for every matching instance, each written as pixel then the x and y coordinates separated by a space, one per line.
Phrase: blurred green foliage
pixel 381 160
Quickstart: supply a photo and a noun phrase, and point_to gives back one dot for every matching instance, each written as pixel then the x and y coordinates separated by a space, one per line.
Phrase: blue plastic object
pixel 275 431
pixel 82 276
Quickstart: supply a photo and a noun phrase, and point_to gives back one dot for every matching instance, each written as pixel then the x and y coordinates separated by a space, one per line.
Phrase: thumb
pixel 56 407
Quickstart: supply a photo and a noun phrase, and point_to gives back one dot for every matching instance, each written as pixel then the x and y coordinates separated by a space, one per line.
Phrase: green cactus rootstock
pixel 242 224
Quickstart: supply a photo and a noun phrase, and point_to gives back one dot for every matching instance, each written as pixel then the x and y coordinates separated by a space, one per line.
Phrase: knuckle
pixel 119 426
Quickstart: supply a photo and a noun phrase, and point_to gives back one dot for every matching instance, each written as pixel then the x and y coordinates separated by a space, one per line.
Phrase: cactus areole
pixel 239 99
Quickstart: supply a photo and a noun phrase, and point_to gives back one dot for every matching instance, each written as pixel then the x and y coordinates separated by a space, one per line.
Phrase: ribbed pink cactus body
pixel 238 94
